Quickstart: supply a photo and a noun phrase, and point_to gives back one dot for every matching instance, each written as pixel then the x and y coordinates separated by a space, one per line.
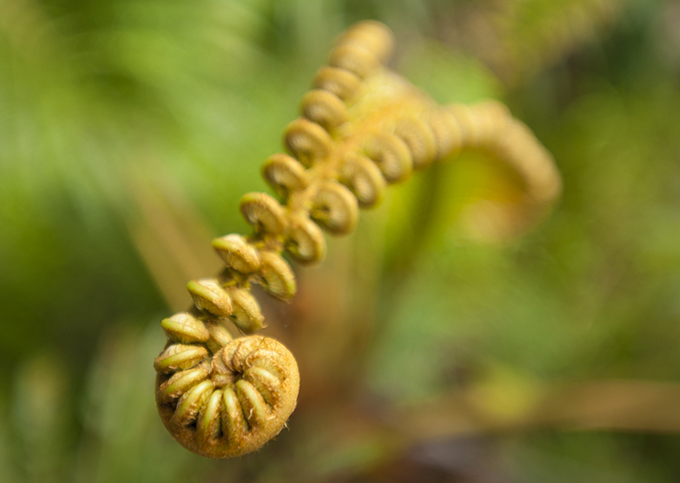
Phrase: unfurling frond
pixel 362 127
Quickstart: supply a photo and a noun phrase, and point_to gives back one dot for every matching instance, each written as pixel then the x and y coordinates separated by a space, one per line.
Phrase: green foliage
pixel 104 105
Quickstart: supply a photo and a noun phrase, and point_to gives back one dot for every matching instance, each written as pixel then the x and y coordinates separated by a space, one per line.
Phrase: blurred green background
pixel 431 348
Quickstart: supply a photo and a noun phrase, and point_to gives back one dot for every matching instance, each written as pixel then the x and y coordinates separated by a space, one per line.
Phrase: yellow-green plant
pixel 362 127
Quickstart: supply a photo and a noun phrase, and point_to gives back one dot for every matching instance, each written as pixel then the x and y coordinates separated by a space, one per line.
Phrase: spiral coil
pixel 362 127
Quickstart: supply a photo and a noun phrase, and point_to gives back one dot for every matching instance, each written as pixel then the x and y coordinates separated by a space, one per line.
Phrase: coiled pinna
pixel 226 398
pixel 362 127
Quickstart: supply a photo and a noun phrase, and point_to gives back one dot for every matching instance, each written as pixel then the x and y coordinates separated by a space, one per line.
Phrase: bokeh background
pixel 435 344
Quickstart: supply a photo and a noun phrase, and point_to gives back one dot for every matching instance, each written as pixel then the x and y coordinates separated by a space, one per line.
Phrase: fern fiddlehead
pixel 362 127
